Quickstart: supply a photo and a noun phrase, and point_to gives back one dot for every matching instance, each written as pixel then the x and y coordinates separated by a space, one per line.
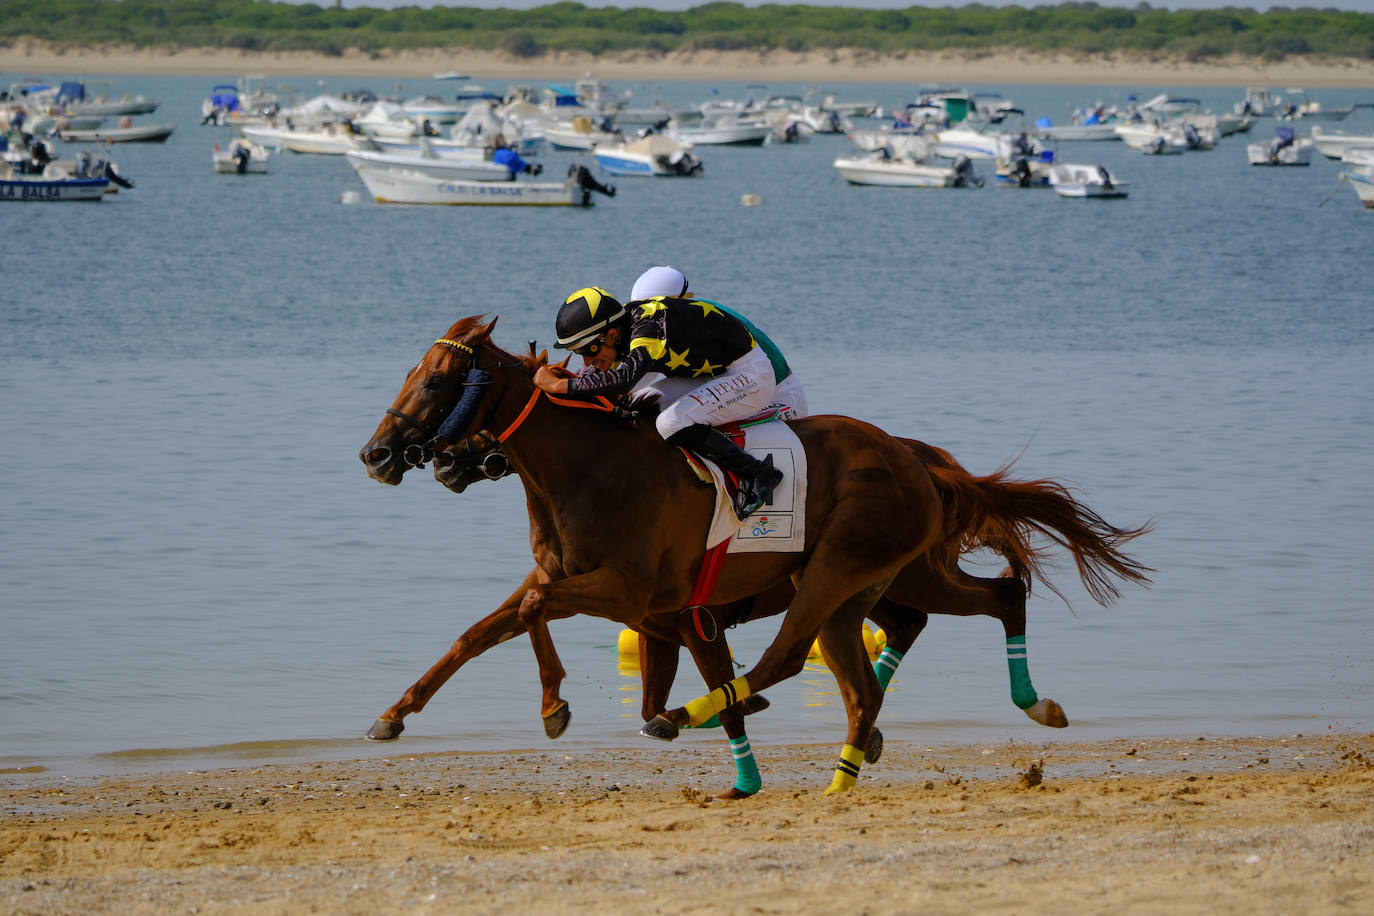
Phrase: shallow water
pixel 196 570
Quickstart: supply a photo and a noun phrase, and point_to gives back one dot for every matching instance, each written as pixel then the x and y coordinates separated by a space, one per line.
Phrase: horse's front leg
pixel 497 627
pixel 602 592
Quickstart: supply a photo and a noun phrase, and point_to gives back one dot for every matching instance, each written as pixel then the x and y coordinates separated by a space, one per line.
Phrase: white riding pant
pixel 745 388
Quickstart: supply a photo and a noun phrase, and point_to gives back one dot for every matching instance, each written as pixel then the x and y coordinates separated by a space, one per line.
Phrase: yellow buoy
pixel 874 643
pixel 750 200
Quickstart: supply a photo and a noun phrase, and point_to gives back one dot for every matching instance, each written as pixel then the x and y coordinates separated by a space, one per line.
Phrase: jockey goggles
pixel 592 348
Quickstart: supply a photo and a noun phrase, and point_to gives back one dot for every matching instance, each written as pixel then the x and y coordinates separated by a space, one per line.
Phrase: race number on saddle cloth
pixel 778 526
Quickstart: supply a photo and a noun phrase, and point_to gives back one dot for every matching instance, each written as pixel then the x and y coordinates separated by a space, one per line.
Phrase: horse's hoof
pixel 1048 712
pixel 556 722
pixel 875 747
pixel 385 730
pixel 755 702
pixel 733 793
pixel 660 728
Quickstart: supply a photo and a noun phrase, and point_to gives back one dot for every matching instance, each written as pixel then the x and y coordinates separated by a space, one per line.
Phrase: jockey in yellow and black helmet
pixel 701 350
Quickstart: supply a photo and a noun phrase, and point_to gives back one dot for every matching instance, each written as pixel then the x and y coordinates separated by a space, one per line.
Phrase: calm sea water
pixel 197 571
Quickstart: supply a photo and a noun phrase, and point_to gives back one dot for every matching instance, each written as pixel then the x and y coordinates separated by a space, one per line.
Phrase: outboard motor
pixel 1190 134
pixel 1020 172
pixel 1282 137
pixel 587 181
pixel 1106 177
pixel 964 174
pixel 241 156
pixel 83 165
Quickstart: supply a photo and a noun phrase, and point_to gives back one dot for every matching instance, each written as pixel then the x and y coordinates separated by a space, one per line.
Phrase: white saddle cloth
pixel 779 526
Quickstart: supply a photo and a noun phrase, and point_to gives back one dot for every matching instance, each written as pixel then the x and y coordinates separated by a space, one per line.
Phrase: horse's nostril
pixel 377 455
pixel 443 460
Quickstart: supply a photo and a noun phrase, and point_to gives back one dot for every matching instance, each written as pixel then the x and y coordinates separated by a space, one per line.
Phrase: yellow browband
pixel 457 345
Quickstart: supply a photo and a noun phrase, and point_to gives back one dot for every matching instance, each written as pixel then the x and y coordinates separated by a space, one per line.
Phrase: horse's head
pixel 405 437
pixel 470 460
pixel 476 456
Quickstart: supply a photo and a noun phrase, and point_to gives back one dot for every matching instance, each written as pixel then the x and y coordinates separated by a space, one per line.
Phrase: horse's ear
pixel 567 359
pixel 486 331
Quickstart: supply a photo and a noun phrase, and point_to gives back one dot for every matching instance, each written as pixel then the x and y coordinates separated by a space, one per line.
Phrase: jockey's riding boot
pixel 756 478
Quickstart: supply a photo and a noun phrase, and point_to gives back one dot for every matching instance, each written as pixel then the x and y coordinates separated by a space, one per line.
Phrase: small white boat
pixel 653 155
pixel 429 108
pixel 241 158
pixel 328 140
pixel 1284 149
pixel 451 75
pixel 1151 137
pixel 724 130
pixel 964 141
pixel 1305 109
pixel 1099 131
pixel 1362 181
pixel 454 169
pixel 1070 180
pixel 1258 102
pixel 1332 146
pixel 884 170
pixel 1022 162
pixel 1358 156
pixel 124 133
pixel 48 187
pixel 401 187
pixel 107 108
pixel 581 135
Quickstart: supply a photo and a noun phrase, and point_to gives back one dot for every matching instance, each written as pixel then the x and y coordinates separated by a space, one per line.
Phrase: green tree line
pixel 260 25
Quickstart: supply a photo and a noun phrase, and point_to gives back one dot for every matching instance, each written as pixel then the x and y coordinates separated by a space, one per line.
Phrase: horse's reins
pixel 474 384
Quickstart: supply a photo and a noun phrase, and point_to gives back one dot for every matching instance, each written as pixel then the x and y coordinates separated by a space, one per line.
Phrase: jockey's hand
pixel 552 379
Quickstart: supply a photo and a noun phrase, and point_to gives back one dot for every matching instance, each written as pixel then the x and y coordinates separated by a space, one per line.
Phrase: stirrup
pixel 757 490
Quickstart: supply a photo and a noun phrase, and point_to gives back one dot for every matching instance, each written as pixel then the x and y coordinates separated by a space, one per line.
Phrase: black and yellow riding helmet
pixel 585 315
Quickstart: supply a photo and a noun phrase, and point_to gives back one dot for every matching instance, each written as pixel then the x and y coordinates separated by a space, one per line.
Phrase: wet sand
pixel 997 67
pixel 1192 825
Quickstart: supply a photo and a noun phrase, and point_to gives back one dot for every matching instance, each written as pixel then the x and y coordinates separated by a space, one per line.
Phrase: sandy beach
pixel 1009 67
pixel 1188 825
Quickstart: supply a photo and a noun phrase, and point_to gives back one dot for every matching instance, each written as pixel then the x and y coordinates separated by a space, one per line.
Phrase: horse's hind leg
pixel 901 625
pixel 1002 598
pixel 495 628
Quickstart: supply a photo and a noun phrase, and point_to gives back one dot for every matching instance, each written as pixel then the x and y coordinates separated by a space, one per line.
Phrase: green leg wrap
pixel 713 722
pixel 886 665
pixel 747 778
pixel 1022 692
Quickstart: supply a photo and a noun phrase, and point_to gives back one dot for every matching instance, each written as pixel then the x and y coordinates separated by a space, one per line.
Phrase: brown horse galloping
pixel 979 511
pixel 627 545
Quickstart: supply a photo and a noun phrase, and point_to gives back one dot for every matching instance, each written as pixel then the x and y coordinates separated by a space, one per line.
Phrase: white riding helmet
pixel 659 281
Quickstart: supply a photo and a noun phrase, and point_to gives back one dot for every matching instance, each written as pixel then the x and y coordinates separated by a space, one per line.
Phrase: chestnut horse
pixel 1053 513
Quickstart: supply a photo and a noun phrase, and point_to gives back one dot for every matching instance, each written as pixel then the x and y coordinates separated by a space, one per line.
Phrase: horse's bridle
pixel 474 381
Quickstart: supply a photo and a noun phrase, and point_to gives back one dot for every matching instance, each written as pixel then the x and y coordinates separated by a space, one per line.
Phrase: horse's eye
pixel 434 382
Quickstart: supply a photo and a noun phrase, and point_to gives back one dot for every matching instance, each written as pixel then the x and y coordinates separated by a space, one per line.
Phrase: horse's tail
pixel 1006 515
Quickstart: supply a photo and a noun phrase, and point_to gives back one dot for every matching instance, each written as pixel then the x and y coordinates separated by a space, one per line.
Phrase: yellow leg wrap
pixel 847 770
pixel 703 708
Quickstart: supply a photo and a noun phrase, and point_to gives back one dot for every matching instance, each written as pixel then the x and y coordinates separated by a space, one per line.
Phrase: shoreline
pixel 25 58
pixel 1216 825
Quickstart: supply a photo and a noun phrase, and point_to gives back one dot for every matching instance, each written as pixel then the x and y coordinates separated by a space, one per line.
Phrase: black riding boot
pixel 756 478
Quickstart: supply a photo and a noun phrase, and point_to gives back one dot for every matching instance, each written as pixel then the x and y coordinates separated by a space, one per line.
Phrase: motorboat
pixel 405 187
pixel 1151 137
pixel 1358 156
pixel 72 98
pixel 651 155
pixel 1302 108
pixel 954 142
pixel 1167 104
pixel 1258 102
pixel 899 141
pixel 241 157
pixel 326 140
pixel 429 108
pixel 126 132
pixel 1070 180
pixel 34 188
pixel 1362 180
pixel 580 134
pixel 453 169
pixel 1021 162
pixel 451 75
pixel 1285 148
pixel 1095 123
pixel 1332 146
pixel 883 169
pixel 724 130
